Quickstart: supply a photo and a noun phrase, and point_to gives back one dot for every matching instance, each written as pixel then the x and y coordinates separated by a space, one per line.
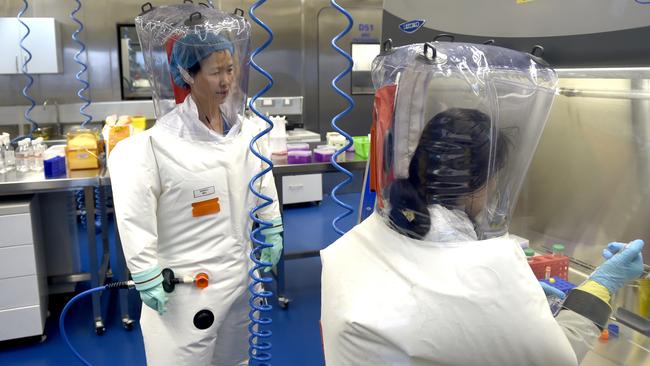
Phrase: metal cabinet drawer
pixel 21 322
pixel 16 230
pixel 17 261
pixel 302 188
pixel 18 292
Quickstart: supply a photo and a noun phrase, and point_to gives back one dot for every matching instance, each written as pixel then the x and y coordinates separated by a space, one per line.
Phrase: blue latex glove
pixel 272 236
pixel 624 263
pixel 149 285
pixel 551 291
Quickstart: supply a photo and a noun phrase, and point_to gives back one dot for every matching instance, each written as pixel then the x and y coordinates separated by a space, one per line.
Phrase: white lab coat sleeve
pixel 580 331
pixel 136 188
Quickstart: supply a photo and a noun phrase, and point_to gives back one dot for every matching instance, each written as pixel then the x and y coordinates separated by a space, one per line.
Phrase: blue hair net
pixel 192 49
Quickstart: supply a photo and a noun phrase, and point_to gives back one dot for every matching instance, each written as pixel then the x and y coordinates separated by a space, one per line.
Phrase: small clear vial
pixel 23 156
pixel 547 273
pixel 8 153
pixel 37 159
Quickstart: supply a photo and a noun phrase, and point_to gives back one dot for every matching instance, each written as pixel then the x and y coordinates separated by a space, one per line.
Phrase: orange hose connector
pixel 201 280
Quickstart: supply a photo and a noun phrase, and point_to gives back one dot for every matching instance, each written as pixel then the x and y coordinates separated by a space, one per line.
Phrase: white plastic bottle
pixel 8 153
pixel 37 158
pixel 23 156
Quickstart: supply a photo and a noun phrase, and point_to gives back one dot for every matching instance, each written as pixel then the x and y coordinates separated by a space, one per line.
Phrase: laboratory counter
pixel 13 182
pixel 349 161
pixel 16 183
pixel 282 168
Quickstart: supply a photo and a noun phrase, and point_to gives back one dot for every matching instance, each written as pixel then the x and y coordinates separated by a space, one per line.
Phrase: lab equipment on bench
pixel 7 154
pixel 361 146
pixel 324 154
pixel 550 265
pixel 288 109
pixel 117 129
pixel 54 161
pixel 298 146
pixel 23 155
pixel 82 151
pixel 336 140
pixel 299 157
pixel 278 135
pixel 38 147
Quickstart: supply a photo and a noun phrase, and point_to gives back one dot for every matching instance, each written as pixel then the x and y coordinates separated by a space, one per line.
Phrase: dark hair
pixel 408 211
pixel 451 160
pixel 453 155
pixel 194 69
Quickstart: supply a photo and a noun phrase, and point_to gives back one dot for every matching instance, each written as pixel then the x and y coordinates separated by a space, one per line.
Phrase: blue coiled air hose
pixel 30 79
pixel 259 346
pixel 80 198
pixel 77 58
pixel 348 209
pixel 64 312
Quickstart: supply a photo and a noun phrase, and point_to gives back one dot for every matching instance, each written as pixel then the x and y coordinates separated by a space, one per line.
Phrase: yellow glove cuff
pixel 596 289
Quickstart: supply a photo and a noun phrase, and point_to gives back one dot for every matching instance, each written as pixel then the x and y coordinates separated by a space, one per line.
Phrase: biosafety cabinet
pixel 23 278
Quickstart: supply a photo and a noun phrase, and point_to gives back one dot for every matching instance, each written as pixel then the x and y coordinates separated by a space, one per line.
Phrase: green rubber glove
pixel 272 235
pixel 155 298
pixel 149 285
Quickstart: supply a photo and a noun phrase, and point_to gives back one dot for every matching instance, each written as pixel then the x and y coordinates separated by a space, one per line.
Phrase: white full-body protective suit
pixel 388 299
pixel 181 193
pixel 432 277
pixel 156 177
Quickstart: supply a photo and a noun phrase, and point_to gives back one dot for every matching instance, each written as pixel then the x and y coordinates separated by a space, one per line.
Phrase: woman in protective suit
pixel 432 278
pixel 181 191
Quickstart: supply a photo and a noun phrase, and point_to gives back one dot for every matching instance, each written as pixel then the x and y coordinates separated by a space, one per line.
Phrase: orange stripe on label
pixel 207 207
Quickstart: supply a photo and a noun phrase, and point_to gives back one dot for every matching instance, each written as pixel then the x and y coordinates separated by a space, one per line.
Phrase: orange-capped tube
pixel 201 280
pixel 604 336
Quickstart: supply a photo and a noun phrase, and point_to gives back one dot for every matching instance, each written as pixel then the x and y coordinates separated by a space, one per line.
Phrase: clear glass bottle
pixel 8 153
pixel 38 147
pixel 23 156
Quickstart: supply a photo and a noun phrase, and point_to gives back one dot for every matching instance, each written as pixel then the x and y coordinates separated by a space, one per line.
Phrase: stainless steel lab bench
pixel 14 184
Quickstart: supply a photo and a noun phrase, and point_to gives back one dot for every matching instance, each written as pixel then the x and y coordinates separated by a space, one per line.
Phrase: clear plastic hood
pixel 456 126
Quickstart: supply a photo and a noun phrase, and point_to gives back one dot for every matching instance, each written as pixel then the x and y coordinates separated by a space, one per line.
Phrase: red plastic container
pixel 559 266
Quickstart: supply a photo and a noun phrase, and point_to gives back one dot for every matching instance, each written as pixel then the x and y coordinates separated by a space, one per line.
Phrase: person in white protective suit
pixel 432 277
pixel 181 190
